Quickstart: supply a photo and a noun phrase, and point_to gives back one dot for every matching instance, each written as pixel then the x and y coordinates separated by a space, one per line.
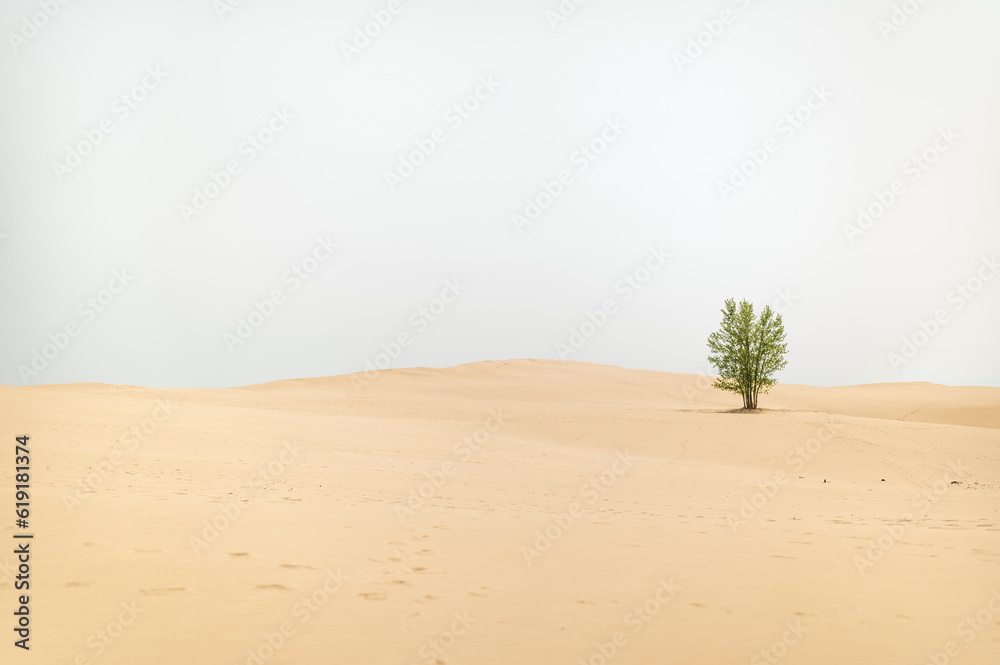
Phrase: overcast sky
pixel 195 194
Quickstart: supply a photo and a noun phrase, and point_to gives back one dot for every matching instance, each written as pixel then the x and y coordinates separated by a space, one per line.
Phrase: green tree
pixel 747 351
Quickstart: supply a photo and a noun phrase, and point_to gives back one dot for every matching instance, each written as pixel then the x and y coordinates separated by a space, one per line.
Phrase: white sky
pixel 521 293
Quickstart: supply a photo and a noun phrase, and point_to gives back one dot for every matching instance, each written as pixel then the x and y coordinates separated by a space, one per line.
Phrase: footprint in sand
pixel 238 553
pixel 296 565
pixel 276 587
pixel 161 592
pixel 373 595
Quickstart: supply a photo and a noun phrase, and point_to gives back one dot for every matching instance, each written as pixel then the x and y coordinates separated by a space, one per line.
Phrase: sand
pixel 507 512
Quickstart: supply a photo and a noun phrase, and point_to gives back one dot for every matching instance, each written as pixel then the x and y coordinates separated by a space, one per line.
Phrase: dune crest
pixel 511 511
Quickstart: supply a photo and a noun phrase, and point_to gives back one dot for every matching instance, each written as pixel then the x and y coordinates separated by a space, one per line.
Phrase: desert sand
pixel 508 512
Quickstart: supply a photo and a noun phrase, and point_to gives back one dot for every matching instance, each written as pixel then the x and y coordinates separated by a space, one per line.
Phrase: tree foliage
pixel 747 350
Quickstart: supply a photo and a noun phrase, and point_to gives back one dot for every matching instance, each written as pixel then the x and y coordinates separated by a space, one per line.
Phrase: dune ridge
pixel 527 510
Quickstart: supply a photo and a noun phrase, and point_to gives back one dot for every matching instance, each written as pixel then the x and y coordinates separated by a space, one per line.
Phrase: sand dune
pixel 518 511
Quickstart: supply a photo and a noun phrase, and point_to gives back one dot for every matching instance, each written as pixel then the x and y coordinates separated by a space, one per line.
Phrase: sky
pixel 214 193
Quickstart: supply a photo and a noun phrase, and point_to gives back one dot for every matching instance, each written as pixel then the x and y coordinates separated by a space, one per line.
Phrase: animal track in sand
pixel 373 595
pixel 278 587
pixel 238 553
pixel 296 565
pixel 161 592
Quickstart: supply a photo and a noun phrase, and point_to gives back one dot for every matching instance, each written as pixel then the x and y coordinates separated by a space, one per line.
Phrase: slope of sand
pixel 509 512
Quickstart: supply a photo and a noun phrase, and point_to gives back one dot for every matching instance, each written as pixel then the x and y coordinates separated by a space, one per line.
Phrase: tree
pixel 747 351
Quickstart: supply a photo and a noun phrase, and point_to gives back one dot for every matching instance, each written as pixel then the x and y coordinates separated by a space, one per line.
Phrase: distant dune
pixel 510 511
